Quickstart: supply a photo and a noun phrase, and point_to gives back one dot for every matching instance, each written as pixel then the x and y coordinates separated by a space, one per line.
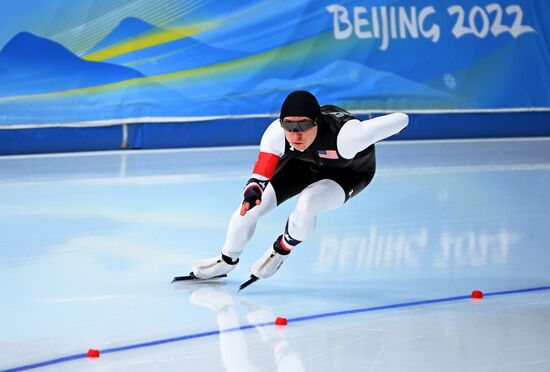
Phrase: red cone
pixel 477 294
pixel 281 321
pixel 93 353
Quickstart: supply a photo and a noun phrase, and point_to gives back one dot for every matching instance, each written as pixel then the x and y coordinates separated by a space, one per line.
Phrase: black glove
pixel 252 194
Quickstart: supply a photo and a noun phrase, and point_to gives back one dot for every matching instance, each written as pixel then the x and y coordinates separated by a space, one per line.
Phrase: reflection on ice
pixel 232 339
pixel 412 249
pixel 471 249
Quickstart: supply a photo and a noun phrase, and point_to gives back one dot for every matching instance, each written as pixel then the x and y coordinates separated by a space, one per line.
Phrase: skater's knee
pixel 305 206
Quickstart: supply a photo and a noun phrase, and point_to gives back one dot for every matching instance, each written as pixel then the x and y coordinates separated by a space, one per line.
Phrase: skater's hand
pixel 252 194
pixel 252 197
pixel 246 206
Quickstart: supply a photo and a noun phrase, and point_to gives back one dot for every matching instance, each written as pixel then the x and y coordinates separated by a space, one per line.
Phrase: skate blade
pixel 252 279
pixel 191 278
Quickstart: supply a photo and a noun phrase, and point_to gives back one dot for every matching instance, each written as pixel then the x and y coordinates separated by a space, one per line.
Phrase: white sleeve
pixel 355 135
pixel 273 139
pixel 273 142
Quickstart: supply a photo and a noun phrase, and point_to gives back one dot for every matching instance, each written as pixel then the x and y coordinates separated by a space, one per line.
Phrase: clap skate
pixel 268 264
pixel 209 269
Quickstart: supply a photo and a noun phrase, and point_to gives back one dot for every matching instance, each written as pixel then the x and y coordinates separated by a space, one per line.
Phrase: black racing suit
pixel 296 170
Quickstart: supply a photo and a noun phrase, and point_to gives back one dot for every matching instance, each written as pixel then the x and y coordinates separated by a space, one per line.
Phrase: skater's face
pixel 300 140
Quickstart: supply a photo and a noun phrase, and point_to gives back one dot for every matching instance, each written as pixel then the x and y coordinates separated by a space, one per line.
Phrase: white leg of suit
pixel 319 197
pixel 241 228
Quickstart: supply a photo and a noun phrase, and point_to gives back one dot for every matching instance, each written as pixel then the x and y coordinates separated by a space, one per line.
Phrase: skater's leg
pixel 241 228
pixel 240 231
pixel 319 197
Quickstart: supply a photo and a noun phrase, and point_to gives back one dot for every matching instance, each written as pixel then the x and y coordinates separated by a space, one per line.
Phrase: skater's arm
pixel 272 147
pixel 355 135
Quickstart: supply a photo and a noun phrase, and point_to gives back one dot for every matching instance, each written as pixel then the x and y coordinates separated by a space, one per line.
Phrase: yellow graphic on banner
pixel 146 41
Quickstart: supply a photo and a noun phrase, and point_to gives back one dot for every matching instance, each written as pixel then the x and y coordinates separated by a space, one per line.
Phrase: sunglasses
pixel 297 126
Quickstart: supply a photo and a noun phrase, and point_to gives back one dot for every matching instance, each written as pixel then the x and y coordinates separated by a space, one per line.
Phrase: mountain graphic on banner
pixel 32 65
pixel 347 80
pixel 177 54
pixel 126 30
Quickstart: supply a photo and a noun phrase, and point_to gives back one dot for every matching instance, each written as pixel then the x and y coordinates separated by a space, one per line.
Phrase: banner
pixel 103 62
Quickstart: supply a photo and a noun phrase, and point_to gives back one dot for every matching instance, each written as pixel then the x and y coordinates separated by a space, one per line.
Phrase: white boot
pixel 212 267
pixel 268 264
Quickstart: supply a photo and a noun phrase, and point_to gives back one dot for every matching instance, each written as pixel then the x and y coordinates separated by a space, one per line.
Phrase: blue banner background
pixel 66 62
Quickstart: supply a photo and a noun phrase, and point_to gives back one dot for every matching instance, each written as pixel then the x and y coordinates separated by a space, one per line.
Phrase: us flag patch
pixel 328 154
